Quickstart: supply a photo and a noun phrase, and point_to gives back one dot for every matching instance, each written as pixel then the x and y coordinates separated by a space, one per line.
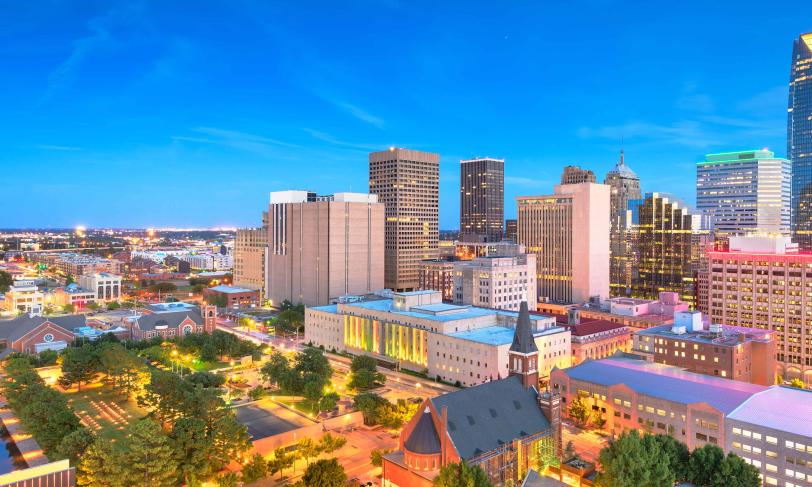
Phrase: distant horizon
pixel 139 115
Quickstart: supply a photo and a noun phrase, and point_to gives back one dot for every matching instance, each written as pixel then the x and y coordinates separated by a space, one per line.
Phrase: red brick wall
pixel 37 335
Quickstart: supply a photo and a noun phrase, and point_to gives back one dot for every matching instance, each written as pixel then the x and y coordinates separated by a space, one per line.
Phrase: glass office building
pixel 799 139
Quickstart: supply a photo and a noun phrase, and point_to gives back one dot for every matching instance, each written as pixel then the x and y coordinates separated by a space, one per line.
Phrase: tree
pixel 376 457
pixel 598 420
pixel 69 279
pixel 329 443
pixel 74 445
pixel 255 469
pixel 329 401
pixel 366 379
pixel 93 306
pixel 312 361
pixel 704 463
pixel 149 456
pixel 363 362
pixel 734 471
pixel 796 382
pixel 5 281
pixel 461 475
pixel 113 305
pixel 68 308
pixel 228 479
pixel 307 449
pixel 206 379
pixel 371 405
pixel 166 395
pixel 191 449
pixel 163 287
pixel 325 473
pixel 281 460
pixel 314 389
pixel 102 465
pixel 578 410
pixel 79 365
pixel 677 454
pixel 633 461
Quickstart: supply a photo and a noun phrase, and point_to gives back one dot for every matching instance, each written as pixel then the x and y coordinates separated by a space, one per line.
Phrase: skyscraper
pixel 625 186
pixel 323 247
pixel 799 139
pixel 744 192
pixel 670 241
pixel 482 199
pixel 510 230
pixel 576 175
pixel 569 233
pixel 407 182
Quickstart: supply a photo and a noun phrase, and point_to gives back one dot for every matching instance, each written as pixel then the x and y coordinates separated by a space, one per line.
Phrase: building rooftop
pixel 780 408
pixel 222 288
pixel 497 335
pixel 435 312
pixel 730 336
pixel 590 327
pixel 665 382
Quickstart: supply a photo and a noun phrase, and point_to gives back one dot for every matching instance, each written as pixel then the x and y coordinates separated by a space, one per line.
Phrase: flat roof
pixel 417 293
pixel 780 408
pixel 666 382
pixel 222 288
pixel 498 335
pixel 435 312
pixel 729 337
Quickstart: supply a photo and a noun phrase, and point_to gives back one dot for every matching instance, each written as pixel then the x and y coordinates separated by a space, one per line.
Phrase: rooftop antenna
pixel 621 150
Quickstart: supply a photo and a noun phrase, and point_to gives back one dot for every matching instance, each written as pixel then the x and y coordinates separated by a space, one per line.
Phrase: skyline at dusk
pixel 152 115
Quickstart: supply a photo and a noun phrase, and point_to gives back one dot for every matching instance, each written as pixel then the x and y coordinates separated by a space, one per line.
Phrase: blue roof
pixel 780 408
pixel 497 335
pixel 666 382
pixel 330 308
pixel 222 288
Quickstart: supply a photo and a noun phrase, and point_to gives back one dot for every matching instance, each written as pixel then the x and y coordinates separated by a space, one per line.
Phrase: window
pixel 770 439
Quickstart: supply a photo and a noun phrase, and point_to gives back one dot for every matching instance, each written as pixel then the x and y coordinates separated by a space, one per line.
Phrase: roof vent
pixel 493 412
pixel 471 420
pixel 517 405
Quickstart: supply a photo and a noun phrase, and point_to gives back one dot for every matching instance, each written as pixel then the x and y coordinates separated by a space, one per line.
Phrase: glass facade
pixel 745 192
pixel 389 340
pixel 799 139
pixel 482 199
pixel 625 187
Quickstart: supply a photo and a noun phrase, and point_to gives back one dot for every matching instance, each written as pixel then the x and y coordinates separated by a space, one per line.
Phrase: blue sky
pixel 189 113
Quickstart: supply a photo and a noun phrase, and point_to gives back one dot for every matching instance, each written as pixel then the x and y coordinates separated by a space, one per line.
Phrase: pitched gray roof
pixel 523 341
pixel 170 320
pixel 484 417
pixel 11 330
pixel 424 438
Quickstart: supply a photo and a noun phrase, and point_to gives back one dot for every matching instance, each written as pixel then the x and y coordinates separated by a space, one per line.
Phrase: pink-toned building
pixel 323 247
pixel 569 233
pixel 766 283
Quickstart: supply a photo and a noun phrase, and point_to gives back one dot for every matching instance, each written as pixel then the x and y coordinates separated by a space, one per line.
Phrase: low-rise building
pixel 438 274
pixel 233 296
pixel 24 296
pixel 72 295
pixel 76 264
pixel 496 282
pixel 733 352
pixel 594 339
pixel 32 333
pixel 635 313
pixel 417 331
pixel 106 286
pixel 209 261
pixel 169 320
pixel 506 427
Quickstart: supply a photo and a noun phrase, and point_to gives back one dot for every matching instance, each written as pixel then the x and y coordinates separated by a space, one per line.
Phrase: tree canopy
pixel 461 475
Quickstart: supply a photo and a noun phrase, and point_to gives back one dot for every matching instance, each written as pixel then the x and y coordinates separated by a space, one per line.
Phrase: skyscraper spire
pixel 621 151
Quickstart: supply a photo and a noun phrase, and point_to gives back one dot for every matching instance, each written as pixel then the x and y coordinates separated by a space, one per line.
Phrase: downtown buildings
pixel 625 187
pixel 251 257
pixel 744 192
pixel 496 282
pixel 799 139
pixel 766 283
pixel 482 199
pixel 569 233
pixel 407 183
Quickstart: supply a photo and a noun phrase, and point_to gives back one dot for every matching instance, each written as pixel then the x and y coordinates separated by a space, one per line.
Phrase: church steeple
pixel 523 353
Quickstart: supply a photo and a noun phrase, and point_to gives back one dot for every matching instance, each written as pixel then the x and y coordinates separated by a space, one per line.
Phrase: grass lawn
pixel 103 411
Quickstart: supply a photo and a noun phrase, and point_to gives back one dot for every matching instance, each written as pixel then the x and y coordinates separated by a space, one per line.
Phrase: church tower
pixel 523 356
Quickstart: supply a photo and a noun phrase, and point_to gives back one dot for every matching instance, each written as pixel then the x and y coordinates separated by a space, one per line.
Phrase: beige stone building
pixel 250 258
pixel 407 182
pixel 569 233
pixel 496 282
pixel 323 247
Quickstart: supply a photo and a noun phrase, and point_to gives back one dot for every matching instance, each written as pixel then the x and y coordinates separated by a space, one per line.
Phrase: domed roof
pixel 622 170
pixel 423 439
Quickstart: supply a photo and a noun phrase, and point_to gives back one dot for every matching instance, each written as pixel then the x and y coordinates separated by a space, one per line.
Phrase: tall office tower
pixel 323 247
pixel 510 230
pixel 764 282
pixel 407 182
pixel 569 233
pixel 576 175
pixel 744 192
pixel 625 186
pixel 482 199
pixel 250 258
pixel 670 241
pixel 799 139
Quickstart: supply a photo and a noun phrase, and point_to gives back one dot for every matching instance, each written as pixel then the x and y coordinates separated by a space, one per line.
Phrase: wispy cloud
pixel 528 182
pixel 685 132
pixel 62 148
pixel 258 144
pixel 768 100
pixel 694 100
pixel 325 137
pixel 357 112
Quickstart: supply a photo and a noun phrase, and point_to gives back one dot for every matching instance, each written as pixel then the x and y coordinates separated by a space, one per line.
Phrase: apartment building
pixel 417 331
pixel 766 283
pixel 736 353
pixel 250 258
pixel 496 282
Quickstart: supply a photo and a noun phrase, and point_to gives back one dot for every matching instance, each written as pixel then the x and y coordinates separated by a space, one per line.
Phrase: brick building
pixel 594 338
pixel 233 296
pixel 170 320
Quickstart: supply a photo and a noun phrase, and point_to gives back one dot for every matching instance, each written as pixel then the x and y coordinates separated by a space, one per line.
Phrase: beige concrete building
pixel 576 175
pixel 407 182
pixel 569 233
pixel 417 331
pixel 250 258
pixel 496 282
pixel 105 286
pixel 320 248
pixel 765 282
pixel 24 296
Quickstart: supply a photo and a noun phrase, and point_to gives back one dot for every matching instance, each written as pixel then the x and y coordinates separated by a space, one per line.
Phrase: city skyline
pixel 153 105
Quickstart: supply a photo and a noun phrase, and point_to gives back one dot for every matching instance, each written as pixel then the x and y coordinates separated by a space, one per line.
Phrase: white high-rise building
pixel 745 192
pixel 496 282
